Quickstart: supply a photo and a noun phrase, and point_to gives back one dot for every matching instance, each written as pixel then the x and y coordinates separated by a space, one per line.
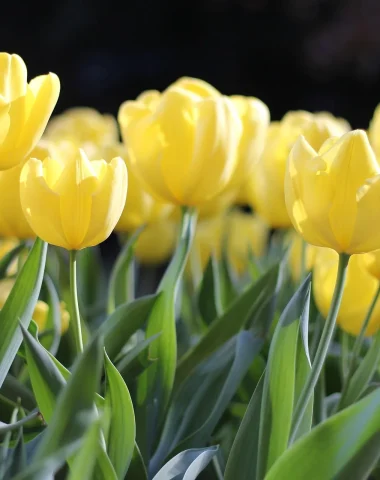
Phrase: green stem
pixel 75 321
pixel 324 343
pixel 359 344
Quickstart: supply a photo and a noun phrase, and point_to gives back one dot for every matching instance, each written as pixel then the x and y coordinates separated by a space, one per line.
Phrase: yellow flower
pixel 207 241
pixel 86 128
pixel 255 117
pixel 371 262
pixel 41 310
pixel 12 219
pixel 140 208
pixel 295 256
pixel 25 109
pixel 70 201
pixel 265 188
pixel 358 295
pixel 333 196
pixel 374 131
pixel 156 243
pixel 182 143
pixel 245 233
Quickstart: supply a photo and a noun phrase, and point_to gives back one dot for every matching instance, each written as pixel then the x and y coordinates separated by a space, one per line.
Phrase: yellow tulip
pixel 25 109
pixel 265 188
pixel 245 233
pixel 295 256
pixel 358 295
pixel 156 243
pixel 41 310
pixel 140 208
pixel 182 143
pixel 70 201
pixel 207 241
pixel 86 128
pixel 12 219
pixel 374 131
pixel 333 196
pixel 255 118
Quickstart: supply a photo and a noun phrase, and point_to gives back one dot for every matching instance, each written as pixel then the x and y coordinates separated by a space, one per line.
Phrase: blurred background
pixel 292 54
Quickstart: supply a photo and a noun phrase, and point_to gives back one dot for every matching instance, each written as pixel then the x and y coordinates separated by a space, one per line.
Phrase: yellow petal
pixel 40 204
pixel 197 86
pixel 13 78
pixel 107 203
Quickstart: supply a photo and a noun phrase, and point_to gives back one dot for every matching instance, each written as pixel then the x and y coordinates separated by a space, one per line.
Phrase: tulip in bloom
pixel 358 294
pixel 374 132
pixel 333 196
pixel 182 143
pixel 86 128
pixel 70 201
pixel 25 109
pixel 265 188
pixel 371 262
pixel 140 208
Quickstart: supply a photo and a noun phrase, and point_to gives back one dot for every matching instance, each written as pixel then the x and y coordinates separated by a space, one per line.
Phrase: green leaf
pixel 74 411
pixel 122 432
pixel 20 304
pixel 33 420
pixel 155 385
pixel 186 465
pixel 17 459
pixel 225 287
pixel 8 258
pixel 136 360
pixel 137 470
pixel 121 284
pixel 242 460
pixel 327 450
pixel 204 397
pixel 16 391
pixel 124 322
pixel 363 375
pixel 279 384
pixel 207 297
pixel 82 467
pixel 236 317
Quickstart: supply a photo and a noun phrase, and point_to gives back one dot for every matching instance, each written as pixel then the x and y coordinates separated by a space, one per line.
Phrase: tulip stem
pixel 324 343
pixel 359 343
pixel 76 322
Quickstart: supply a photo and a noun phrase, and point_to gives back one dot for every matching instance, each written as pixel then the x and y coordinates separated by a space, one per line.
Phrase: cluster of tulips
pixel 192 175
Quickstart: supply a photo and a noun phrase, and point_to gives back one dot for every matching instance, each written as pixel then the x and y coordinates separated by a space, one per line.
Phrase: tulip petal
pixel 197 86
pixel 40 204
pixel 13 77
pixel 107 203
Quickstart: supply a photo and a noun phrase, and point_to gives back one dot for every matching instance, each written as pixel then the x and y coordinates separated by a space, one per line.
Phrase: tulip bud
pixel 332 196
pixel 182 144
pixel 358 294
pixel 70 201
pixel 25 109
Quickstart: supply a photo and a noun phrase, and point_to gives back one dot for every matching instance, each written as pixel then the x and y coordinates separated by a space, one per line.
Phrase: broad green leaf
pixel 225 286
pixel 329 448
pixel 155 384
pixel 124 322
pixel 121 283
pixel 136 360
pixel 47 381
pixel 236 317
pixel 204 397
pixel 186 465
pixel 363 375
pixel 122 429
pixel 207 297
pixel 279 384
pixel 242 460
pixel 20 304
pixel 74 411
pixel 17 457
pixel 82 467
pixel 14 390
pixel 8 258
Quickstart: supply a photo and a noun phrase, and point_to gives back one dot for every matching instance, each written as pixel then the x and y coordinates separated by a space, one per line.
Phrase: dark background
pixel 292 54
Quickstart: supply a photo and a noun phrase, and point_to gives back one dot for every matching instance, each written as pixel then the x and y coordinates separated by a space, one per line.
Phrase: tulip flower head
pixel 371 262
pixel 70 201
pixel 25 109
pixel 295 256
pixel 156 242
pixel 358 294
pixel 182 143
pixel 333 196
pixel 265 187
